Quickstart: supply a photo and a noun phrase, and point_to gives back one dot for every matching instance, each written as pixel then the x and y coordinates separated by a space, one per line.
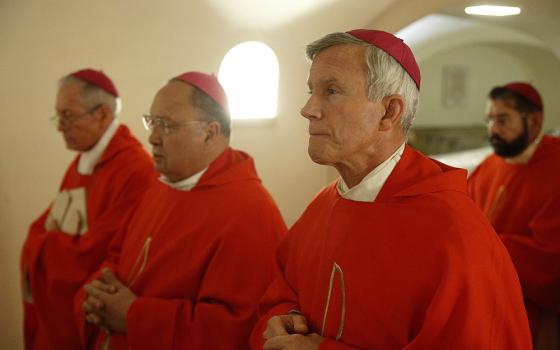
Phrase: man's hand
pixel 292 323
pixel 294 342
pixel 108 302
pixel 93 306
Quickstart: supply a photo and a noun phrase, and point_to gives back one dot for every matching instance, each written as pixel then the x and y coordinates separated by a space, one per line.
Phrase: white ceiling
pixel 434 33
pixel 538 18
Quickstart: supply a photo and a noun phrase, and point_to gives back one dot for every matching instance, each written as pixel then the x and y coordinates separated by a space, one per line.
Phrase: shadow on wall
pixel 438 140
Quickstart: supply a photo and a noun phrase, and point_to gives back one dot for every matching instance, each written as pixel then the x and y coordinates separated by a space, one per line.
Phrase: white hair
pixel 385 77
pixel 92 95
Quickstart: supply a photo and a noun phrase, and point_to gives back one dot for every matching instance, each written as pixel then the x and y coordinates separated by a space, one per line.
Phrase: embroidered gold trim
pixel 497 199
pixel 335 269
pixel 343 311
pixel 106 342
pixel 144 255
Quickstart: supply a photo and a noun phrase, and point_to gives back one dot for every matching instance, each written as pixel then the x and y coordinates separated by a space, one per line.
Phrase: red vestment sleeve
pixel 87 331
pixel 455 315
pixel 537 257
pixel 225 306
pixel 69 255
pixel 57 264
pixel 331 344
pixel 279 299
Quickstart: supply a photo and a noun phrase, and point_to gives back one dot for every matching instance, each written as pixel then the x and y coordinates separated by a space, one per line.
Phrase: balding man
pixel 198 253
pixel 394 254
pixel 518 188
pixel 102 185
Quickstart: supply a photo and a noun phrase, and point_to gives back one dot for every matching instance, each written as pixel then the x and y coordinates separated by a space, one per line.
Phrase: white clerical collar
pixel 185 184
pixel 525 156
pixel 370 186
pixel 88 159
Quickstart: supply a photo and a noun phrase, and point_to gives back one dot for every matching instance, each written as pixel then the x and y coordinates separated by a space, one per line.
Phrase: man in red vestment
pixel 198 252
pixel 393 255
pixel 68 242
pixel 518 188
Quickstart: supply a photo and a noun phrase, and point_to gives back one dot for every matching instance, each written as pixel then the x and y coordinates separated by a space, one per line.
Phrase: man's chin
pixel 72 147
pixel 496 146
pixel 158 166
pixel 507 152
pixel 318 157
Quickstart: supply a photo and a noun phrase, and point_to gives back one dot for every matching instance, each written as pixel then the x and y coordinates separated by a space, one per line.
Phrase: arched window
pixel 249 74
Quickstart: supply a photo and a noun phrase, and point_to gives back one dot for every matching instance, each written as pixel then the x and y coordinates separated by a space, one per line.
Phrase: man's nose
pixel 155 138
pixel 311 109
pixel 60 126
pixel 493 127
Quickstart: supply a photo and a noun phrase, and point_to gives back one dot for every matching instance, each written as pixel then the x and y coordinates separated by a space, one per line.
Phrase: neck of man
pixel 105 125
pixel 213 152
pixel 355 169
pixel 525 156
pixel 217 148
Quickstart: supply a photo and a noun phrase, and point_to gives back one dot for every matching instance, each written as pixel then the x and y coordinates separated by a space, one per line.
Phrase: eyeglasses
pixel 501 121
pixel 68 119
pixel 163 125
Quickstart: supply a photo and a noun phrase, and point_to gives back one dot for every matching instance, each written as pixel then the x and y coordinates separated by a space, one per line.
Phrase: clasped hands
pixel 107 302
pixel 290 332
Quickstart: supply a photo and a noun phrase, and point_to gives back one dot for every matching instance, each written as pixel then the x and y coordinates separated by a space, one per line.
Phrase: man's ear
pixel 535 121
pixel 394 109
pixel 104 114
pixel 213 129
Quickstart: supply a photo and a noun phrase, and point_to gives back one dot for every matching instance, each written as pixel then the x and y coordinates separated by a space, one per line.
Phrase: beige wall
pixel 483 73
pixel 488 65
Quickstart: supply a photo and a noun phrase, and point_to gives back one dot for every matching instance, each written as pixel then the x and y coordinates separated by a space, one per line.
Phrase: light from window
pixel 249 74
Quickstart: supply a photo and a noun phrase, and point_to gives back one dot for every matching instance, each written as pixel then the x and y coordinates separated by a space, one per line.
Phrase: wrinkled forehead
pixel 338 62
pixel 69 96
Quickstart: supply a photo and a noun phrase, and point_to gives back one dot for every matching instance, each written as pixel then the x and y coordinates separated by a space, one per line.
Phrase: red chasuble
pixel 418 269
pixel 55 264
pixel 198 261
pixel 523 204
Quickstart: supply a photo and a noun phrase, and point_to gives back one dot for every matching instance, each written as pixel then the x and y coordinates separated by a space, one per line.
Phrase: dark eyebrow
pixel 501 115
